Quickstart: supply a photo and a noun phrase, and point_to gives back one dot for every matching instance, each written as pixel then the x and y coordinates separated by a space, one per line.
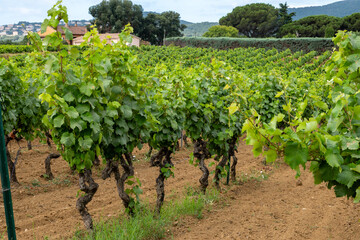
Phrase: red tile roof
pixel 76 30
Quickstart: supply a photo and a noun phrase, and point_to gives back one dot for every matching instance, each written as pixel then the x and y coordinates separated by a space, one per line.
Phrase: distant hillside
pixel 192 29
pixel 337 9
pixel 181 21
pixel 197 29
pixel 185 22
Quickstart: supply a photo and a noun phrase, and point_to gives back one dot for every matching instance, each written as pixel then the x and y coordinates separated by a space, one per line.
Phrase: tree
pixel 284 16
pixel 253 20
pixel 221 31
pixel 352 22
pixel 169 25
pixel 113 15
pixel 312 26
pixel 157 26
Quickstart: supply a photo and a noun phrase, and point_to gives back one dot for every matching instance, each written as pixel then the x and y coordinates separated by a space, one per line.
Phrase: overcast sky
pixel 13 11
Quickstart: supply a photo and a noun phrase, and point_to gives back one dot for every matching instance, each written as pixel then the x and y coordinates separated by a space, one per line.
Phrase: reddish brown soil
pixel 279 207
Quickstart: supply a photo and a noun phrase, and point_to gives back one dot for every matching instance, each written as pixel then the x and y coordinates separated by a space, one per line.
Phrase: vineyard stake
pixel 5 183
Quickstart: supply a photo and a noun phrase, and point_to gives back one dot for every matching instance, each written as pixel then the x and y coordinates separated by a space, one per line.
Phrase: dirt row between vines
pixel 269 203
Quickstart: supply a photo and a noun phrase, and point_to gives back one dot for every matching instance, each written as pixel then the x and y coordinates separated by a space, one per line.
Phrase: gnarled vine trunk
pixel 148 154
pixel 225 158
pixel 11 164
pixel 218 169
pixel 29 145
pixel 233 169
pixel 185 139
pixel 113 167
pixel 162 160
pixel 232 150
pixel 48 138
pixel 89 186
pixel 201 153
pixel 96 161
pixel 49 174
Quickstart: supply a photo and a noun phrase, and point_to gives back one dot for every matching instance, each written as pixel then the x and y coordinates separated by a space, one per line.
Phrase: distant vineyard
pixel 281 44
pixel 103 101
pixel 15 48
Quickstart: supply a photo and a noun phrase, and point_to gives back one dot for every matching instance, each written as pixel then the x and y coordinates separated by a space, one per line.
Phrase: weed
pixel 145 225
pixel 35 183
pixel 255 175
pixel 62 181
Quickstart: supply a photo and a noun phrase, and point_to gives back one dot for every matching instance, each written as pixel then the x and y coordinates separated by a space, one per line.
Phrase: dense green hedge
pixel 281 44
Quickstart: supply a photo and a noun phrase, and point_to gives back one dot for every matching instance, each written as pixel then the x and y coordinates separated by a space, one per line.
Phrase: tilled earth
pixel 266 203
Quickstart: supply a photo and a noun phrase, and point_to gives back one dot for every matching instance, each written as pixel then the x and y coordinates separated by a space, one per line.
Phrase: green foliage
pixel 15 48
pixel 352 22
pixel 108 99
pixel 21 108
pixel 11 89
pixel 74 108
pixel 127 122
pixel 221 31
pixel 284 16
pixel 145 225
pixel 96 106
pixel 294 44
pixel 168 103
pixel 157 26
pixel 290 35
pixel 208 112
pixel 114 15
pixel 312 26
pixel 134 191
pixel 253 20
pixel 328 135
pixel 329 32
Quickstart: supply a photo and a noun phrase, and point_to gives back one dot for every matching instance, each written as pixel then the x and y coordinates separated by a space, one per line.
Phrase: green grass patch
pixel 145 225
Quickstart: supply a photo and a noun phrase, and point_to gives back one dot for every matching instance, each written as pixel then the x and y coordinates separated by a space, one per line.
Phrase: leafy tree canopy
pixel 113 15
pixel 313 26
pixel 352 22
pixel 158 26
pixel 253 20
pixel 221 31
pixel 284 16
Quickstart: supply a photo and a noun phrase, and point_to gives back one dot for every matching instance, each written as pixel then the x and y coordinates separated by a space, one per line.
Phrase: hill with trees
pixel 197 29
pixel 336 9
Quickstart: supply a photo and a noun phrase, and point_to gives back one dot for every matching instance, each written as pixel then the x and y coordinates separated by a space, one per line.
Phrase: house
pixel 110 38
pixel 77 31
pixel 29 28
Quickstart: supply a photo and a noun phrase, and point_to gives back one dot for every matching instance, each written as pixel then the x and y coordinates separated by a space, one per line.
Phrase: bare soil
pixel 266 203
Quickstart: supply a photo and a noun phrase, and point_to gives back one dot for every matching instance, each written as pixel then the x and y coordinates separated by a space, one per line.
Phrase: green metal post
pixel 5 183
